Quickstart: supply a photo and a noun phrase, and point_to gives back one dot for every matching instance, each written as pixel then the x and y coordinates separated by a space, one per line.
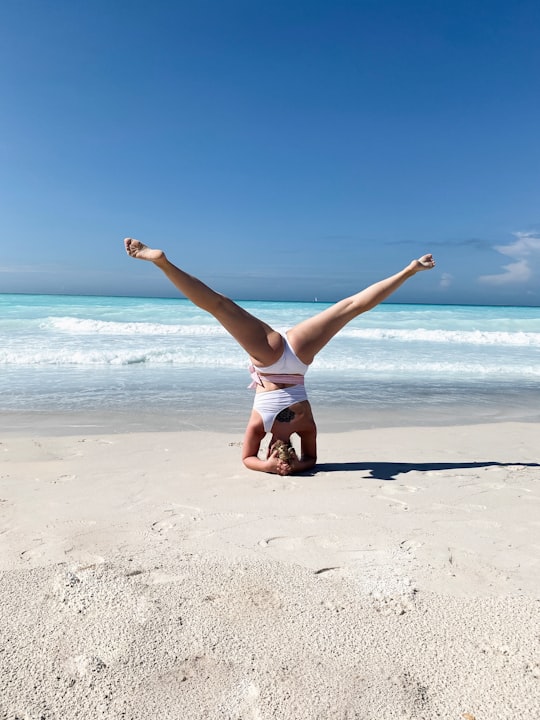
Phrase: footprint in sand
pixel 49 550
pixel 396 489
pixel 242 702
pixel 249 704
pixel 283 542
pixel 83 665
pixel 63 479
pixel 319 553
pixel 389 492
pixel 189 669
pixel 277 483
pixel 264 599
pixel 163 526
pixel 389 593
pixel 173 517
pixel 157 577
pixel 56 550
pixel 393 502
pixel 56 547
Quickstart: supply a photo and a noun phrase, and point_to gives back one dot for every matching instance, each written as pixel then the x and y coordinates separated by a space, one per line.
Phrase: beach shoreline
pixel 416 406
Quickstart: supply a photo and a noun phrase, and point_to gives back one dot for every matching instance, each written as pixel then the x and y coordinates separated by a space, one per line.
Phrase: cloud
pixel 525 250
pixel 446 280
pixel 517 272
pixel 476 243
pixel 13 269
pixel 526 244
pixel 20 269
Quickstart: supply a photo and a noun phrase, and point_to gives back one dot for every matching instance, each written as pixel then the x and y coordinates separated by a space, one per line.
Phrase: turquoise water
pixel 65 353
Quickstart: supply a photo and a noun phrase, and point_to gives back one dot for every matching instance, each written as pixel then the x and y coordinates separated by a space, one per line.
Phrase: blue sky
pixel 279 150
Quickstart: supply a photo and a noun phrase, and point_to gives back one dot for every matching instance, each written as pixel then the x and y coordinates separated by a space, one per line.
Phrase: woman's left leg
pixel 261 342
pixel 310 336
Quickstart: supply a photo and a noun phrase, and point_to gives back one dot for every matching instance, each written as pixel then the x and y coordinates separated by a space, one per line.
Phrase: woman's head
pixel 285 453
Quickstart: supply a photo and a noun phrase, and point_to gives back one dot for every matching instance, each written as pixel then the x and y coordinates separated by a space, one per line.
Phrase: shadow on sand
pixel 389 470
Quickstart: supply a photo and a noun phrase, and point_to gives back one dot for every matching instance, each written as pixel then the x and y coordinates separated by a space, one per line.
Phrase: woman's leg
pixel 259 340
pixel 310 336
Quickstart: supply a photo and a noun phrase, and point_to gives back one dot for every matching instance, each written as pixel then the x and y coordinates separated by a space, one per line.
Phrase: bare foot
pixel 426 262
pixel 137 249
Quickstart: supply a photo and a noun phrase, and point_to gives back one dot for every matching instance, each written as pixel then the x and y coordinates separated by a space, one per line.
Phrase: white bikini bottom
pixel 270 404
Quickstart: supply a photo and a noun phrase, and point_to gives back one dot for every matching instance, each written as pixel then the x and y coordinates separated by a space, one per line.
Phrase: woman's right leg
pixel 310 336
pixel 261 342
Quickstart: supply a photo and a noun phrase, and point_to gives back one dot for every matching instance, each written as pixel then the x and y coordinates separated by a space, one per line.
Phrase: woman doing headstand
pixel 278 361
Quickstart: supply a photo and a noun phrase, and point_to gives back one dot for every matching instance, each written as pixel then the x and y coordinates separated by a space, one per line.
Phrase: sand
pixel 149 575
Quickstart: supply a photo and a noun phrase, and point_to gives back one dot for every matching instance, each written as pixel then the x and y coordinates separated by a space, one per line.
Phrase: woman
pixel 278 362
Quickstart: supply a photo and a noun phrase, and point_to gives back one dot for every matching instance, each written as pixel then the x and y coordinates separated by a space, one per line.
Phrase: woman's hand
pixel 280 467
pixel 426 262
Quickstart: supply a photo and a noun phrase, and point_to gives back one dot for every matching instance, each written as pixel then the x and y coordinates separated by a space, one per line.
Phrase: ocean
pixel 158 363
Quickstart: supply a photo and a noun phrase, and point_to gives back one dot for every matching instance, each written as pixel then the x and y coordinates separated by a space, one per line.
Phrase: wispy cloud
pixel 476 243
pixel 20 269
pixel 525 251
pixel 58 270
pixel 30 268
pixel 446 280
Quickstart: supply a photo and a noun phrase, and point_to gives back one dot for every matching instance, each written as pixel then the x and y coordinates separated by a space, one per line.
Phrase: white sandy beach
pixel 149 575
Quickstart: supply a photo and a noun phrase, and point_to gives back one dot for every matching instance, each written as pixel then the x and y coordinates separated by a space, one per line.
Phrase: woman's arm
pixel 308 446
pixel 250 454
pixel 272 465
pixel 252 441
pixel 251 446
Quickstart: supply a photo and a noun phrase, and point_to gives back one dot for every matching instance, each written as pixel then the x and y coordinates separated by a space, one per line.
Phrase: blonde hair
pixel 285 451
